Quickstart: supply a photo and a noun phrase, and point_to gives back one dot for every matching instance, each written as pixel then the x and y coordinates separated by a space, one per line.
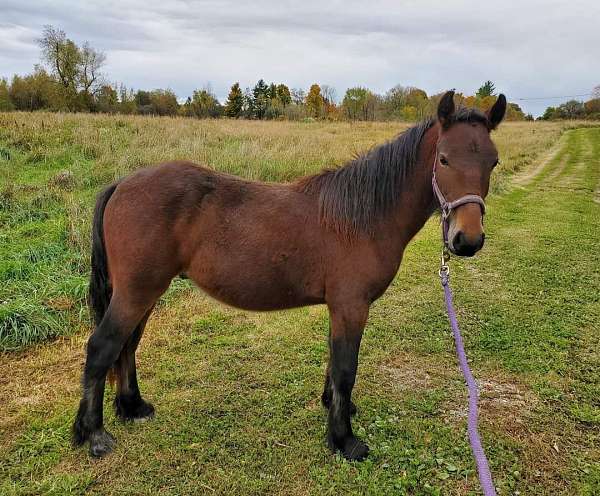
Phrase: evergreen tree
pixel 235 101
pixel 487 89
pixel 260 99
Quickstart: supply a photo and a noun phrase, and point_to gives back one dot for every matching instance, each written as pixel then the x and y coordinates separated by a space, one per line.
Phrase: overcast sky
pixel 528 48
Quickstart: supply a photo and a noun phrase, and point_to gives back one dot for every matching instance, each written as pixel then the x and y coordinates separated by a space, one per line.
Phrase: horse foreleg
pixel 327 391
pixel 347 324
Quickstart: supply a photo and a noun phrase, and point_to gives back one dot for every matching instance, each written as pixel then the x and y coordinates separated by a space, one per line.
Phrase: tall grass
pixel 51 166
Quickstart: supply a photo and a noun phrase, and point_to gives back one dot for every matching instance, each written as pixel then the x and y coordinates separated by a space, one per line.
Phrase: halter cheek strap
pixel 446 206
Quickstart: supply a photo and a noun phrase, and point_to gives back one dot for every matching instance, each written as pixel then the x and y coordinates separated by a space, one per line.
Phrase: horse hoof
pixel 352 449
pixel 139 411
pixel 355 450
pixel 102 443
pixel 143 413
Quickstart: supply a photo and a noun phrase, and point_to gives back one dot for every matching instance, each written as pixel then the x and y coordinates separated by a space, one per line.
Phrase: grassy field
pixel 237 393
pixel 52 166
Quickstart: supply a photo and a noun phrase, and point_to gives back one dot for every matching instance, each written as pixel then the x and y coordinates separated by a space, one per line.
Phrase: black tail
pixel 100 290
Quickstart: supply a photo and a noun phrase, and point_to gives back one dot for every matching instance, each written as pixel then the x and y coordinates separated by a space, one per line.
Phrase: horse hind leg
pixel 129 404
pixel 103 349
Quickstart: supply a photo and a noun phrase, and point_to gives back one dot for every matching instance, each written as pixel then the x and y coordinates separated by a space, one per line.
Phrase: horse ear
pixel 496 113
pixel 446 108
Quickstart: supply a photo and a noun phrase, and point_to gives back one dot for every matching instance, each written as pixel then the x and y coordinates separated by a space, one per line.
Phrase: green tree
pixel 36 91
pixel 572 109
pixel 143 102
pixel 408 113
pixel 394 100
pixel 5 103
pixel 549 114
pixel 514 112
pixel 204 104
pixel 127 103
pixel 314 101
pixel 274 109
pixel 107 99
pixel 261 98
pixel 61 55
pixel 157 102
pixel 359 104
pixel 76 69
pixel 235 101
pixel 417 99
pixel 487 89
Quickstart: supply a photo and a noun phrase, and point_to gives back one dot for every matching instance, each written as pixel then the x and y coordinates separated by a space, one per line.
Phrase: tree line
pixel 575 109
pixel 70 79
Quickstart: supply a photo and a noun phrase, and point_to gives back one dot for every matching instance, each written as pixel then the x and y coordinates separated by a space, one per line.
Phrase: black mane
pixel 355 195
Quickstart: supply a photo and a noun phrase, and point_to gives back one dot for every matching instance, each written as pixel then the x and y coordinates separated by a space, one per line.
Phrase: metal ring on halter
pixel 444 259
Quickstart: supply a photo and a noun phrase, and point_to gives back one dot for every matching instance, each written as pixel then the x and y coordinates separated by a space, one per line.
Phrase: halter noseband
pixel 446 206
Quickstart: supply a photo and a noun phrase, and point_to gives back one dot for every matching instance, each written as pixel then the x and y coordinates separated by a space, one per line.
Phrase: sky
pixel 529 49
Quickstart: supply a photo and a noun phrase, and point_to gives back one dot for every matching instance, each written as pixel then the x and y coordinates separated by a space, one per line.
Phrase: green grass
pixel 237 393
pixel 52 165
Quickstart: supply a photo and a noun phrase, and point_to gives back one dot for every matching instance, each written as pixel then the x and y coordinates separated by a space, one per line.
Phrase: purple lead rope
pixel 483 468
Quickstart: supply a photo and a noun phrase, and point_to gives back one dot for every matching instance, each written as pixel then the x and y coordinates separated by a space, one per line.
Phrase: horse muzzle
pixel 464 245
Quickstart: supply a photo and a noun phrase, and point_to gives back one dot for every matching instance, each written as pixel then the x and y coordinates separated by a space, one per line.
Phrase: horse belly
pixel 258 284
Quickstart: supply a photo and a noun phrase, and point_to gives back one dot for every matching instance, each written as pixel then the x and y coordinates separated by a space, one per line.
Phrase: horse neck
pixel 417 203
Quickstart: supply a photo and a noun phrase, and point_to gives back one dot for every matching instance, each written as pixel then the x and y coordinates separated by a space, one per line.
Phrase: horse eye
pixel 443 160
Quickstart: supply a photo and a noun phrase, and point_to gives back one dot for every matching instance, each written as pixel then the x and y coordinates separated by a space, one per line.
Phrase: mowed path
pixel 237 393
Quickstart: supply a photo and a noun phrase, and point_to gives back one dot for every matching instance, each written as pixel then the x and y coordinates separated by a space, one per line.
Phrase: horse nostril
pixel 459 241
pixel 464 247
